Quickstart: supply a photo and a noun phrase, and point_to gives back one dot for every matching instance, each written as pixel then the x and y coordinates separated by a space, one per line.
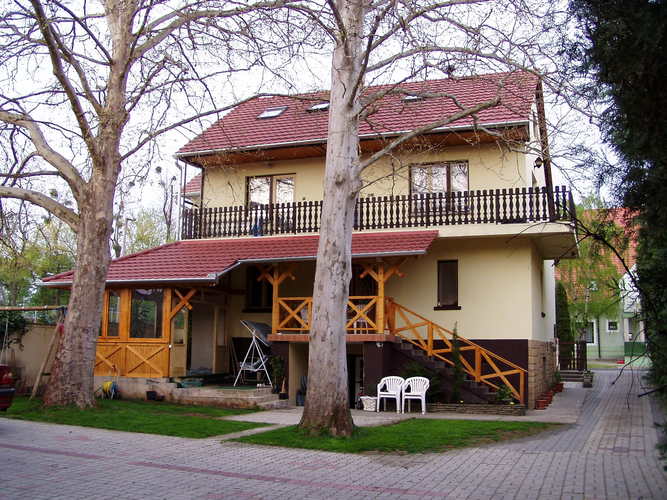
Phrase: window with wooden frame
pixel 146 313
pixel 448 285
pixel 259 294
pixel 110 325
pixel 263 190
pixel 428 180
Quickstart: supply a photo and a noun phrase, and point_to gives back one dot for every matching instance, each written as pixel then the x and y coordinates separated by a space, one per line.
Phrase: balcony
pixel 486 206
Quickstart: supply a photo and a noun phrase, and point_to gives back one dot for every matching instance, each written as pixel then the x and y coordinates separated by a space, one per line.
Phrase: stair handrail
pixel 427 345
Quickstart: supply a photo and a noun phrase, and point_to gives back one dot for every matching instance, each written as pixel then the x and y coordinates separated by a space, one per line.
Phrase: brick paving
pixel 608 453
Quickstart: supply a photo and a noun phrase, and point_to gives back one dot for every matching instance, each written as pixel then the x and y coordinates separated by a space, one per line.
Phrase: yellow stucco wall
pixel 499 295
pixel 504 287
pixel 490 166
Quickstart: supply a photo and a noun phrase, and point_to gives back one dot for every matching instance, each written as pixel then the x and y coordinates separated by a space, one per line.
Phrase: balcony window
pixel 266 189
pixel 434 178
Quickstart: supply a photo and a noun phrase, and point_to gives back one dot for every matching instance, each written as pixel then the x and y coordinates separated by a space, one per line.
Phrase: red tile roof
pixel 193 186
pixel 205 260
pixel 241 129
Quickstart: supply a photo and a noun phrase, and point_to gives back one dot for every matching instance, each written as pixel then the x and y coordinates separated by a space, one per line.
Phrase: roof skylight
pixel 320 106
pixel 412 98
pixel 272 112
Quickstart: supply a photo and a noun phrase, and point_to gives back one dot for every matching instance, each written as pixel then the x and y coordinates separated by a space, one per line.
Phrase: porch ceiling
pixel 204 261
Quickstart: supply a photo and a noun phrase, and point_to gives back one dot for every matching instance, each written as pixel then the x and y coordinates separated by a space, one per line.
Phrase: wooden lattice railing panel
pixel 481 364
pixel 295 314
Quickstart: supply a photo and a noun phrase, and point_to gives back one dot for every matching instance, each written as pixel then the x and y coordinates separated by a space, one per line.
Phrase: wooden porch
pixel 379 318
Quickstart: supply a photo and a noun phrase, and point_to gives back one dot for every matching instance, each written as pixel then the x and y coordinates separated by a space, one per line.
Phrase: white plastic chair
pixel 415 388
pixel 390 387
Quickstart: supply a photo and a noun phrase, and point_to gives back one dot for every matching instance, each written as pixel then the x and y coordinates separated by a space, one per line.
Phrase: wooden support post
pixel 214 347
pixel 275 307
pixel 478 365
pixel 380 303
pixel 429 340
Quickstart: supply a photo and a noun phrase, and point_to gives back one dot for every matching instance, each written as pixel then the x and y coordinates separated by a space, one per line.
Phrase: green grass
pixel 409 436
pixel 136 416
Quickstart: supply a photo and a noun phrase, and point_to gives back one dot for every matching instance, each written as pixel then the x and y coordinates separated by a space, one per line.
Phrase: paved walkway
pixel 608 453
pixel 565 409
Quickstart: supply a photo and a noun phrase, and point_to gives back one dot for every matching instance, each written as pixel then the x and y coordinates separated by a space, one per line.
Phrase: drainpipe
pixel 597 326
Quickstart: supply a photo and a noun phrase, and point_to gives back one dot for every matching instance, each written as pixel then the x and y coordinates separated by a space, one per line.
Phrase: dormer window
pixel 320 106
pixel 272 112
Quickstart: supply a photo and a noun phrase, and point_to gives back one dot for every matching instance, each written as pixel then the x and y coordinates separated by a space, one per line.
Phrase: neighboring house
pixel 604 295
pixel 455 230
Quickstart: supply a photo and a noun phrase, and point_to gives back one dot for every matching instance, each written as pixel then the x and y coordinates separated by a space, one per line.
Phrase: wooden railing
pixel 486 206
pixel 480 363
pixel 295 314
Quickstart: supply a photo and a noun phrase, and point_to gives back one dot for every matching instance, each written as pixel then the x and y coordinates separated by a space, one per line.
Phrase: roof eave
pixel 312 142
pixel 212 280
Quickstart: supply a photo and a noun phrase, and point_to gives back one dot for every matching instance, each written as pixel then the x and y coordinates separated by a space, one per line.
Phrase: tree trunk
pixel 327 406
pixel 71 381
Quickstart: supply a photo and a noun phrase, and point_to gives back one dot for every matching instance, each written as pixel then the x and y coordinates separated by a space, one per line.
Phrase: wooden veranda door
pixel 135 333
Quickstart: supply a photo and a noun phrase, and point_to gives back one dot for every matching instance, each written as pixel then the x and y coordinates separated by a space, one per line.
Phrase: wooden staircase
pixel 472 392
pixel 436 344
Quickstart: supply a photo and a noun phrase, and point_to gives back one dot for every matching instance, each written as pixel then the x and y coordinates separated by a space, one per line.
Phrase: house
pixel 455 231
pixel 604 302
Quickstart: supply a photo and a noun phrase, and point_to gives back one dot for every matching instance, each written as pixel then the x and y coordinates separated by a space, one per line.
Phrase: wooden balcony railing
pixel 294 314
pixel 486 206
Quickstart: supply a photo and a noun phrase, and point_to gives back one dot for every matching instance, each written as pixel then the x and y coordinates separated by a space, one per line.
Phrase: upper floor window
pixel 447 177
pixel 266 189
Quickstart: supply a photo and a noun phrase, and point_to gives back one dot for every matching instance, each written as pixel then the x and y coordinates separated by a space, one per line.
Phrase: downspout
pixel 597 326
pixel 544 146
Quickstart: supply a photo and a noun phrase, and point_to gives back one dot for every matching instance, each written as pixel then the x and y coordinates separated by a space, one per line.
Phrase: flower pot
pixel 558 387
pixel 368 403
pixel 588 380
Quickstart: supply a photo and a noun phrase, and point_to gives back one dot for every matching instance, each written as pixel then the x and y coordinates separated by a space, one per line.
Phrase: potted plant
pixel 278 373
pixel 283 391
pixel 503 395
pixel 558 382
pixel 588 378
pixel 367 400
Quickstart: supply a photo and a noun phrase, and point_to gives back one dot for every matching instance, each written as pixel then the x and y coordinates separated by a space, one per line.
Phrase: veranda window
pixel 146 314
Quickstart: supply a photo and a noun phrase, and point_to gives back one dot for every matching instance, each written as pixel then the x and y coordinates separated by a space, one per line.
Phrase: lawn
pixel 409 436
pixel 136 416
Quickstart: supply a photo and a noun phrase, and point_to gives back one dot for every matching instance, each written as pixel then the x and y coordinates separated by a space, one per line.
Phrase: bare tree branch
pixel 65 214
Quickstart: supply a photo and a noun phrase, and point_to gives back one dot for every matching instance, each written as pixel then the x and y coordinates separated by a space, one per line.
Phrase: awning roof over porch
pixel 204 261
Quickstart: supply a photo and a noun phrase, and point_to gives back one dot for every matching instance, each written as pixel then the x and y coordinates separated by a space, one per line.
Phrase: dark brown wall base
pixel 518 410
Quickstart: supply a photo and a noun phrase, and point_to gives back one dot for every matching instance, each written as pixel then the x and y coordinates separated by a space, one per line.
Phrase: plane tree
pixel 381 42
pixel 86 90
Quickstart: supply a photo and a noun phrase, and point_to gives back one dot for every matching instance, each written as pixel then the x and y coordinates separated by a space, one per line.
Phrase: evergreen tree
pixel 563 323
pixel 625 52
